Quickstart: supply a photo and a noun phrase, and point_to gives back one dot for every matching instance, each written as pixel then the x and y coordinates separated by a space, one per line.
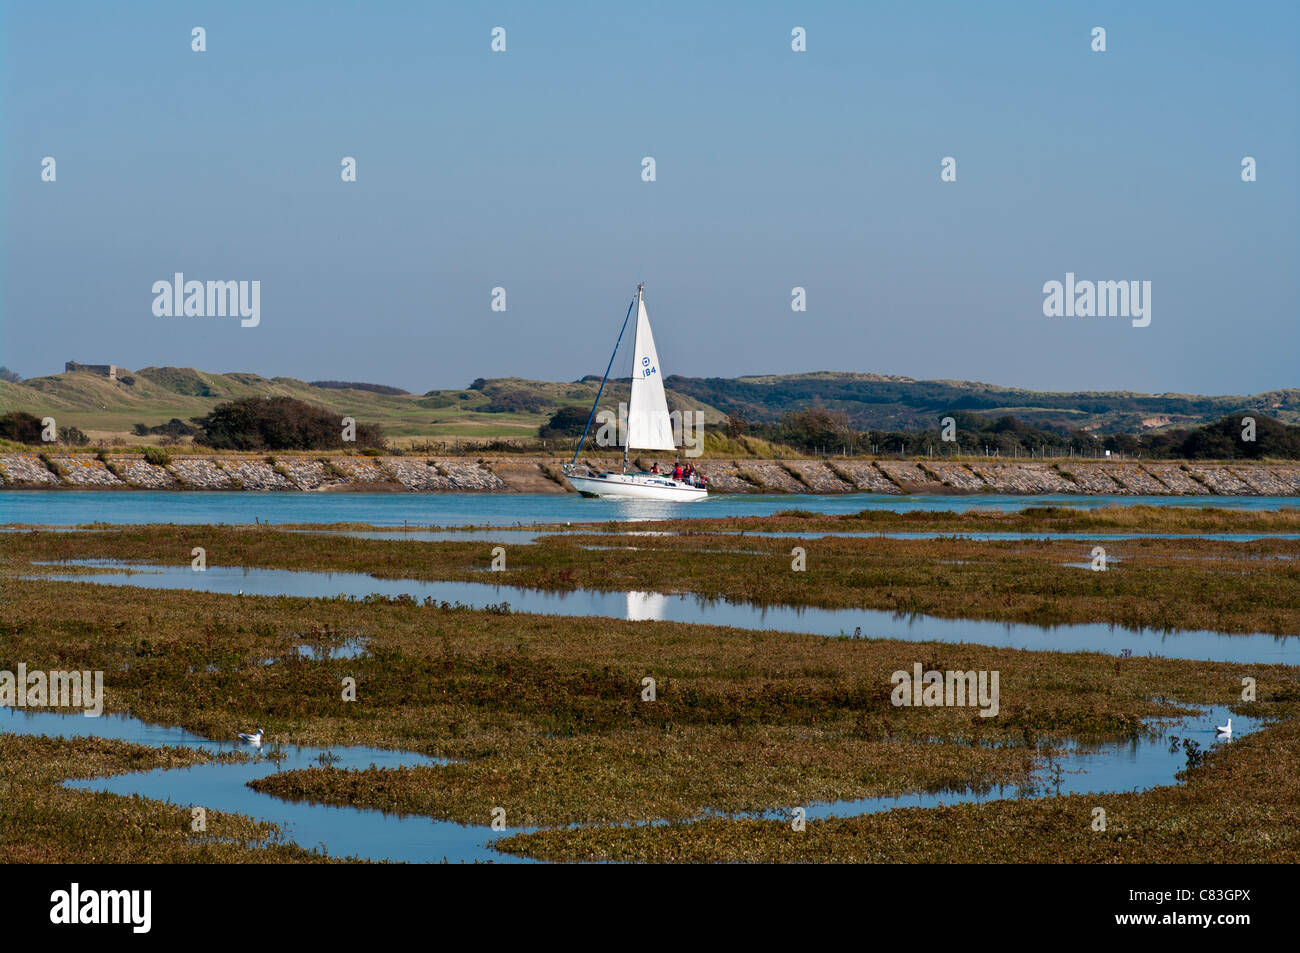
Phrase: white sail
pixel 648 424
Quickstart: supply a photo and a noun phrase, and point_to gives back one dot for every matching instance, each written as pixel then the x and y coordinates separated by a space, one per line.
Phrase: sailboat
pixel 648 427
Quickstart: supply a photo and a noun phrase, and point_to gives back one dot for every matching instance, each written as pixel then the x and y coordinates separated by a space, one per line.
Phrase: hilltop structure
pixel 105 370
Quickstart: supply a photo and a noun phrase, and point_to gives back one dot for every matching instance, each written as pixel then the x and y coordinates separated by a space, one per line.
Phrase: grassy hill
pixel 501 408
pixel 878 402
pixel 509 408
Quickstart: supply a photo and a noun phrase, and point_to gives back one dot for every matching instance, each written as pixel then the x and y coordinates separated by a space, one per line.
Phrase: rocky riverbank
pixel 530 475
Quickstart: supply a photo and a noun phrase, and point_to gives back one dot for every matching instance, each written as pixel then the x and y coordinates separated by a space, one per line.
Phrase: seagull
pixel 254 739
pixel 1225 730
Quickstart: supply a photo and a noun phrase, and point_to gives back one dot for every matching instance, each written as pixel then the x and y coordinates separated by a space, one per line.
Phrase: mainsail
pixel 648 424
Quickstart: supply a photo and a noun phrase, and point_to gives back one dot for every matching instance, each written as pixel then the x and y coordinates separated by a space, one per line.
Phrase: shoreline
pixel 410 474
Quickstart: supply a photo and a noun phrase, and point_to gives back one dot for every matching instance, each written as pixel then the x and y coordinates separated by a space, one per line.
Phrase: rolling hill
pixel 506 408
pixel 501 408
pixel 878 402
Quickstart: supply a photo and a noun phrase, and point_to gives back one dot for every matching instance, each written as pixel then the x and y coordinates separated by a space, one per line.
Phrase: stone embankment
pixel 530 475
pixel 230 472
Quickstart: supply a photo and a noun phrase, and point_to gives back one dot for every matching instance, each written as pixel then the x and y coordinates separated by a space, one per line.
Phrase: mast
pixel 640 293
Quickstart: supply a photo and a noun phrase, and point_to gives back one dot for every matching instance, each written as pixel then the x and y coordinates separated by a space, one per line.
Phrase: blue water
pixel 525 537
pixel 1130 764
pixel 639 606
pixel 342 831
pixel 69 507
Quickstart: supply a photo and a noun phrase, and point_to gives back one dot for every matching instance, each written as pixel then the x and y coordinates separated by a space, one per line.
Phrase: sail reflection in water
pixel 646 606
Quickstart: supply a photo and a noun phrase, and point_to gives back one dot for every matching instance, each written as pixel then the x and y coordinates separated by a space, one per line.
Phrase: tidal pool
pixel 340 831
pixel 1128 764
pixel 1099 767
pixel 634 606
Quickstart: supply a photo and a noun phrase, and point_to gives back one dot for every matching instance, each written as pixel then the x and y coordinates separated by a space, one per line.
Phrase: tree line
pixel 250 423
pixel 820 430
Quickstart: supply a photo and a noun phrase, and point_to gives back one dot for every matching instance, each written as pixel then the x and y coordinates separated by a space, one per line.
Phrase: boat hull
pixel 637 486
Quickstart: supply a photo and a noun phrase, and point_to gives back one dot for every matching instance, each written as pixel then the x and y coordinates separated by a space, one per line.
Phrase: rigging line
pixel 608 367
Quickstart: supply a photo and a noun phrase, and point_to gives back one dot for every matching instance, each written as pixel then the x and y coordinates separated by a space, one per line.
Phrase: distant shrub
pixel 565 422
pixel 516 402
pixel 21 427
pixel 159 458
pixel 479 384
pixel 10 376
pixel 355 385
pixel 1222 440
pixel 73 437
pixel 279 423
pixel 173 428
pixel 814 427
pixel 180 380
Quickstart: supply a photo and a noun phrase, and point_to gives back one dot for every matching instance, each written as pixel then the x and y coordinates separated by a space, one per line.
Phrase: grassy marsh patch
pixel 1162 583
pixel 43 822
pixel 1241 806
pixel 546 712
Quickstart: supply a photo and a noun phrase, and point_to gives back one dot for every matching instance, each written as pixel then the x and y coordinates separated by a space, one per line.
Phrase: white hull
pixel 637 486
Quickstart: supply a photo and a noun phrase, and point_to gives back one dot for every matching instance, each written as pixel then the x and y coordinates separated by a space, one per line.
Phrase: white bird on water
pixel 1225 730
pixel 254 739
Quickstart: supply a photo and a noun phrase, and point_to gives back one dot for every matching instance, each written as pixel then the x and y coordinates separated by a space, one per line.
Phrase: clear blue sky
pixel 775 169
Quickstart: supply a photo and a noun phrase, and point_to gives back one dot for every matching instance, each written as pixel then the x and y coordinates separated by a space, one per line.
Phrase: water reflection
pixel 872 623
pixel 341 831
